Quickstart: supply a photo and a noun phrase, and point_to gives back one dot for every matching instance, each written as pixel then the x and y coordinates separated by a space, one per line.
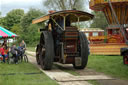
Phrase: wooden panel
pixel 109 14
pixel 96 38
pixel 41 19
pixel 98 4
pixel 119 13
pixel 100 34
pixel 113 18
pixel 126 21
pixel 106 15
pixel 126 13
pixel 123 14
pixel 90 34
pixel 70 35
pixel 94 2
pixel 106 49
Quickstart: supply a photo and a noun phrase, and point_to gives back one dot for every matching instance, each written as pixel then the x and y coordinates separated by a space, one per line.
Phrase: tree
pixel 13 17
pixel 17 29
pixel 99 20
pixel 28 17
pixel 0 14
pixel 2 20
pixel 34 35
pixel 29 31
pixel 64 4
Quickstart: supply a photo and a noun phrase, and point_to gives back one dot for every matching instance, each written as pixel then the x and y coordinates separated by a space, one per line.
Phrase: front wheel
pixel 84 51
pixel 47 51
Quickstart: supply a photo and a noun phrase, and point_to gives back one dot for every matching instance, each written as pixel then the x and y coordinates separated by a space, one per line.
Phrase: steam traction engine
pixel 62 42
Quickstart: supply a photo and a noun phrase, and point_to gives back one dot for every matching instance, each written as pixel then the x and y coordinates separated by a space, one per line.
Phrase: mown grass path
pixel 57 73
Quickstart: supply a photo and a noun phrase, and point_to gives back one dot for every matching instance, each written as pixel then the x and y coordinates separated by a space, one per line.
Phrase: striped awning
pixel 4 33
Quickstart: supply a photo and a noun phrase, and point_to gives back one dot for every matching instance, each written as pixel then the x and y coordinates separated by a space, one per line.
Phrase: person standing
pixel 20 52
pixel 14 52
pixel 23 44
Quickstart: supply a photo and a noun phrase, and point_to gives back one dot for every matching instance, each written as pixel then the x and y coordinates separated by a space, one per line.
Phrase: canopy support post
pixel 57 24
pixel 79 23
pixel 64 22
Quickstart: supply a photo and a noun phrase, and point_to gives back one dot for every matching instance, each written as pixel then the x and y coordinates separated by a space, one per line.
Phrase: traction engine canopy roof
pixel 73 15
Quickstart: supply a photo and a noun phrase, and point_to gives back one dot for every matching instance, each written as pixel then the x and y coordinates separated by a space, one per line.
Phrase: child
pixel 2 51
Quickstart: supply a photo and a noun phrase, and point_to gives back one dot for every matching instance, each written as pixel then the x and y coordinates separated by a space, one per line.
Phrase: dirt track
pixel 55 73
pixel 84 72
pixel 87 71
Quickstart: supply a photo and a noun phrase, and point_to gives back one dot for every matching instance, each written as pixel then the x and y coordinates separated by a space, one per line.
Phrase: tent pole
pixel 8 42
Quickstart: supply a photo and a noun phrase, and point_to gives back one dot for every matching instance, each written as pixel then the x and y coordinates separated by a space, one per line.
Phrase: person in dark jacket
pixel 14 52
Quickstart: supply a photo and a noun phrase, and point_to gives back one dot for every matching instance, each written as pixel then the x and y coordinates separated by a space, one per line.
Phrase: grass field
pixel 23 74
pixel 111 65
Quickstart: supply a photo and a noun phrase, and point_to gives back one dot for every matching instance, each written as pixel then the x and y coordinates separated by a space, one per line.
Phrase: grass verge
pixel 20 78
pixel 110 65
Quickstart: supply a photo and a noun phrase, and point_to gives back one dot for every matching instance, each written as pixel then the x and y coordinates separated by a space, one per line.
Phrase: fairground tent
pixel 4 33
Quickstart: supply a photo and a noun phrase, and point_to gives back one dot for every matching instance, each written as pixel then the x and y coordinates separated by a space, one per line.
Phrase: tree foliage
pixel 28 29
pixel 0 14
pixel 16 29
pixel 3 22
pixel 99 20
pixel 29 16
pixel 13 17
pixel 64 4
pixel 21 24
pixel 33 35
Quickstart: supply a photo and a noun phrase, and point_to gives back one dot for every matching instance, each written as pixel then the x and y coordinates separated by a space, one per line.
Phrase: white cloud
pixel 19 1
pixel 8 5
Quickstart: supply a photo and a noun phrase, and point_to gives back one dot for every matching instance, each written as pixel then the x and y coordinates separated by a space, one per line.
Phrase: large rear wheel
pixel 84 51
pixel 47 51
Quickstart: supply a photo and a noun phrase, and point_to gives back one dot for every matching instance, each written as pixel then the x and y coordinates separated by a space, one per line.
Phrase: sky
pixel 8 5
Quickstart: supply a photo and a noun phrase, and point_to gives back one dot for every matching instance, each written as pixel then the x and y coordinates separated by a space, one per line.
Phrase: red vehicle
pixel 61 41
